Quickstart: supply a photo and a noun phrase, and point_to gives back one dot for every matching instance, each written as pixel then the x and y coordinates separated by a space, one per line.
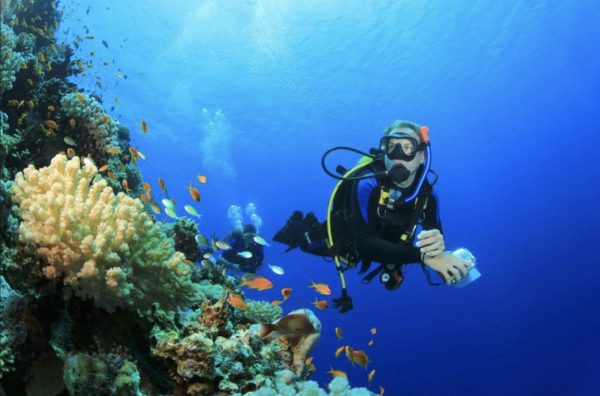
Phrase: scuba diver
pixel 245 254
pixel 374 212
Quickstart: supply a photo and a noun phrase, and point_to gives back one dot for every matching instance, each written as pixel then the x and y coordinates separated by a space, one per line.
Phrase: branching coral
pixel 103 246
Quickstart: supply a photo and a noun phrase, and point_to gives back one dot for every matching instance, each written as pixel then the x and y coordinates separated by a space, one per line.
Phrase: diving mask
pixel 404 149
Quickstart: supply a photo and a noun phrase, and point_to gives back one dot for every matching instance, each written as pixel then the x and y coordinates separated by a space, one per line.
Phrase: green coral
pixel 208 354
pixel 7 358
pixel 11 59
pixel 184 234
pixel 287 384
pixel 99 130
pixel 262 311
pixel 106 374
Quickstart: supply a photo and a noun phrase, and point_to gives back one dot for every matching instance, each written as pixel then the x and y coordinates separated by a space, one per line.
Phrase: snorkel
pixel 378 154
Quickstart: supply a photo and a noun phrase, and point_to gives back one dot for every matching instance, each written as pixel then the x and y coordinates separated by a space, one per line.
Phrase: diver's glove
pixel 344 303
pixel 292 234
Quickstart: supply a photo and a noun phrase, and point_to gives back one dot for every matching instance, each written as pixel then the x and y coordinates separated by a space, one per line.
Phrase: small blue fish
pixel 202 241
pixel 245 254
pixel 276 269
pixel 190 209
pixel 260 240
pixel 168 203
pixel 171 212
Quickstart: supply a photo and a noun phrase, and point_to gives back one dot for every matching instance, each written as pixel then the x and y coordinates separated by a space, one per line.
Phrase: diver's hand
pixel 431 243
pixel 453 269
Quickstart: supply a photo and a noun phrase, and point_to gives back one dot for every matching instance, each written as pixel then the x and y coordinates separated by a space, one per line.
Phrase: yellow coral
pixel 103 246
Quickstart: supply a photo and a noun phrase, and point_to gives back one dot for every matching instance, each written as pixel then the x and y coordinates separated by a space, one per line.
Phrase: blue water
pixel 511 92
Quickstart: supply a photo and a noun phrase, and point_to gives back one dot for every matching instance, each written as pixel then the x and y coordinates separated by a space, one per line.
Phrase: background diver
pixel 246 254
pixel 374 212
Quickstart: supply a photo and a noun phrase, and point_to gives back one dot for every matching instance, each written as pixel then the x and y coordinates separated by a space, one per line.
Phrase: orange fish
pixel 321 288
pixel 188 262
pixel 321 304
pixel 337 373
pixel 80 98
pixel 162 185
pixel 51 124
pixel 349 351
pixel 103 168
pixel 194 193
pixel 286 292
pixel 373 330
pixel 237 301
pixel 70 152
pixel 371 375
pixel 125 185
pixel 338 333
pixel 134 156
pixel 276 302
pixel 106 119
pixel 147 188
pixel 144 126
pixel 339 351
pixel 308 360
pixel 256 282
pixel 360 358
pixel 113 150
pixel 202 179
pixel 145 199
pixel 111 176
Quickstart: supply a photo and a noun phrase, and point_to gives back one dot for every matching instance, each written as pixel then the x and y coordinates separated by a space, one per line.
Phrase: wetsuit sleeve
pixel 432 214
pixel 369 245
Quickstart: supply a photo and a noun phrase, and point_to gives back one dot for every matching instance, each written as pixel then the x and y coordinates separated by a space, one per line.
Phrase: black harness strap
pixel 407 236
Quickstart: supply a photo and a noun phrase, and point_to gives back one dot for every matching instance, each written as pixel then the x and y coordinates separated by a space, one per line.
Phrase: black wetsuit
pixel 378 239
pixel 244 243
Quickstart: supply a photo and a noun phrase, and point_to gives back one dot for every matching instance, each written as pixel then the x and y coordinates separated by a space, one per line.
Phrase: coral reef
pixel 210 353
pixel 184 231
pixel 99 374
pixel 95 296
pixel 101 245
pixel 13 332
pixel 11 58
pixel 286 384
pixel 92 128
pixel 262 311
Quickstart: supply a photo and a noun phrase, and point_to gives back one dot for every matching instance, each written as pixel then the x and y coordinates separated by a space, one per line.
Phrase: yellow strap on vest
pixel 329 210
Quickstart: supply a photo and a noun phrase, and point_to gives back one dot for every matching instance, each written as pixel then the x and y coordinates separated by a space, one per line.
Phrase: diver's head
pixel 250 229
pixel 403 150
